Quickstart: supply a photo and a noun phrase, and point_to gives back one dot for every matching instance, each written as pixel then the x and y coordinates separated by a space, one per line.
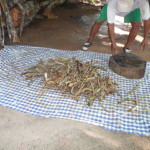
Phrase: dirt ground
pixel 72 29
pixel 24 132
pixel 19 131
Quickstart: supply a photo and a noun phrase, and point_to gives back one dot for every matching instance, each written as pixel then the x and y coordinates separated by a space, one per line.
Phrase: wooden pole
pixel 9 23
pixel 1 29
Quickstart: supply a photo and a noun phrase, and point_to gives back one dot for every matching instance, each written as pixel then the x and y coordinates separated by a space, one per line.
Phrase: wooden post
pixel 1 29
pixel 9 23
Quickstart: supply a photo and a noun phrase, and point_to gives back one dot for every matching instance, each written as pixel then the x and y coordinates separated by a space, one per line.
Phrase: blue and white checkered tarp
pixel 34 100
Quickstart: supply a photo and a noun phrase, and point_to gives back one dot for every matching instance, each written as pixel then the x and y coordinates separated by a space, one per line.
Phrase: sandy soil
pixel 72 29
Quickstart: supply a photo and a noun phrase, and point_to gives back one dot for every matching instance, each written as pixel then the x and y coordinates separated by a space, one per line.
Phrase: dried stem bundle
pixel 71 75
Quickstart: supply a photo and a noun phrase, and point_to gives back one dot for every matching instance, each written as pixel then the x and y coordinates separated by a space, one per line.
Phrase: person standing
pixel 133 11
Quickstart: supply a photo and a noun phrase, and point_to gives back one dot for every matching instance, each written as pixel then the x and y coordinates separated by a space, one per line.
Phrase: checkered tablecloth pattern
pixel 34 100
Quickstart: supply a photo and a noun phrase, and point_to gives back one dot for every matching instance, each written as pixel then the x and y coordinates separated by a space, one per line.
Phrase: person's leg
pixel 94 30
pixel 135 19
pixel 96 26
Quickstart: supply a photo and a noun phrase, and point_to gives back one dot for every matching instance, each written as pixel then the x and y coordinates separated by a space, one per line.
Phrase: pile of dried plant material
pixel 74 77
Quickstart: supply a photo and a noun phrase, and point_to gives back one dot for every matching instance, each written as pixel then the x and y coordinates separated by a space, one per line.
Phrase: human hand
pixel 144 43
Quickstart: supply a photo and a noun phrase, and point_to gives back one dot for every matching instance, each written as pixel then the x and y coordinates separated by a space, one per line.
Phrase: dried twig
pixel 132 100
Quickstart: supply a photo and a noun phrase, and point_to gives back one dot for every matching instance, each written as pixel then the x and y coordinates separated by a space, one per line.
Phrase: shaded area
pixel 16 14
pixel 71 29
